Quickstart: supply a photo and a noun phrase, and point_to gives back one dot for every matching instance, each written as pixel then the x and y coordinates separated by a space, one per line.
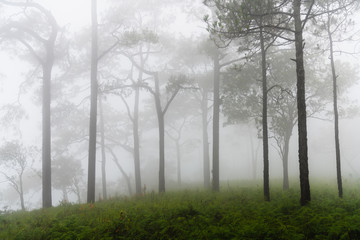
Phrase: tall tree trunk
pixel 301 105
pixel 285 160
pixel 205 137
pixel 336 113
pixel 160 116
pixel 264 119
pixel 216 119
pixel 137 142
pixel 103 152
pixel 46 131
pixel 93 106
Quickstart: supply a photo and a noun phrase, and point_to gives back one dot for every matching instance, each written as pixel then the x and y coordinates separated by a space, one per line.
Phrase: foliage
pixel 236 213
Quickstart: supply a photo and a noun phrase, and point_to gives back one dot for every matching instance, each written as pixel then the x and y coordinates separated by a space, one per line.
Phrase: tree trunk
pixel 216 119
pixel 301 105
pixel 264 119
pixel 46 131
pixel 336 113
pixel 93 106
pixel 285 160
pixel 137 142
pixel 21 193
pixel 160 116
pixel 103 152
pixel 205 137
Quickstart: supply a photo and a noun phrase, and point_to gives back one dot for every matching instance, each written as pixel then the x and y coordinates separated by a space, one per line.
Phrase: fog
pixel 172 39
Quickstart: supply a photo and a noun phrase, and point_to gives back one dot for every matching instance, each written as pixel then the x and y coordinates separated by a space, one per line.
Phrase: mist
pixel 156 68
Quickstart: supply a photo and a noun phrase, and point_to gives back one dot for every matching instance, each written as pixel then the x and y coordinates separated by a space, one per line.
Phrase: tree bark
pixel 161 124
pixel 46 131
pixel 264 119
pixel 137 142
pixel 301 105
pixel 336 113
pixel 216 119
pixel 103 152
pixel 205 137
pixel 93 106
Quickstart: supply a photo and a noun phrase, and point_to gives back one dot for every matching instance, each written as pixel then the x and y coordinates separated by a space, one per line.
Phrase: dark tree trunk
pixel 301 105
pixel 160 116
pixel 103 152
pixel 93 106
pixel 46 131
pixel 336 113
pixel 216 119
pixel 137 142
pixel 205 137
pixel 264 119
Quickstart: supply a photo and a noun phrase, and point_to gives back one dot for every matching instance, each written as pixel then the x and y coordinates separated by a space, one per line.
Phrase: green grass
pixel 234 213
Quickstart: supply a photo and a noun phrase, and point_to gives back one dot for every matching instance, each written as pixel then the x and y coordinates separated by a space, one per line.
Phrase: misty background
pixel 179 31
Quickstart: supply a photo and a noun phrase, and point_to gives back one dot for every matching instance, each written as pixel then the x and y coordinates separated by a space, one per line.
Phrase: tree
pixel 102 146
pixel 93 107
pixel 30 39
pixel 247 20
pixel 334 22
pixel 16 159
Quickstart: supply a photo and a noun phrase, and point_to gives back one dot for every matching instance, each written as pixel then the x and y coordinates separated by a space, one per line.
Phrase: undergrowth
pixel 234 213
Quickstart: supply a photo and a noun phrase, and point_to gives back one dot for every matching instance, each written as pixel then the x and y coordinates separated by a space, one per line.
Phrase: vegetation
pixel 235 213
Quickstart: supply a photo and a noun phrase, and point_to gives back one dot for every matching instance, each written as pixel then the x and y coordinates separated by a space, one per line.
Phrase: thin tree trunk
pixel 216 119
pixel 103 152
pixel 264 119
pixel 301 105
pixel 336 113
pixel 205 137
pixel 21 193
pixel 46 131
pixel 137 142
pixel 161 123
pixel 93 106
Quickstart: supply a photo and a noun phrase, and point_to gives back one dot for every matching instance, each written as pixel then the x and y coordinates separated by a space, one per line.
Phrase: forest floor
pixel 234 213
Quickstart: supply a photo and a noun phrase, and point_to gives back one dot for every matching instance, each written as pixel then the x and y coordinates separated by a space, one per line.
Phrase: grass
pixel 234 213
